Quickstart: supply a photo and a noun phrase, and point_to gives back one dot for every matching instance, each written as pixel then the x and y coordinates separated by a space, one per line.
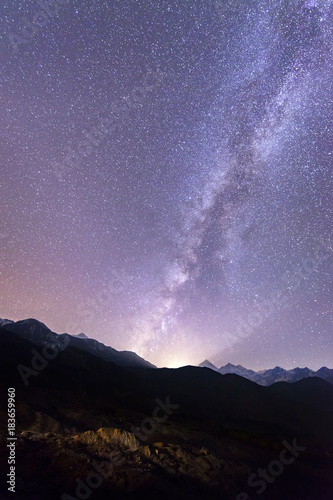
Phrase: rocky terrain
pixel 93 428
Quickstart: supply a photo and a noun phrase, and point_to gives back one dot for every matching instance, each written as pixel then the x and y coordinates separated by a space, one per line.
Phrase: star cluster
pixel 167 176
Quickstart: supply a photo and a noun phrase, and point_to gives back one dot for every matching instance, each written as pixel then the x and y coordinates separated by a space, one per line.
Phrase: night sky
pixel 166 176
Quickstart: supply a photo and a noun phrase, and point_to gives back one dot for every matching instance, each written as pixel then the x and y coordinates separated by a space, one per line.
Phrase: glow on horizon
pixel 177 361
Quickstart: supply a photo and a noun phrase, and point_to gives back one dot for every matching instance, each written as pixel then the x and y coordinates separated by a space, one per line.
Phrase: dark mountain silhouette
pixel 78 410
pixel 41 335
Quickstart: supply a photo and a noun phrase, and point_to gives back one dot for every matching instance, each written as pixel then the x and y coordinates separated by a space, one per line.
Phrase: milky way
pixel 167 176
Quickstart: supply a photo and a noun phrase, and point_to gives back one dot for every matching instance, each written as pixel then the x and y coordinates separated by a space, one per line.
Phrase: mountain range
pixel 182 433
pixel 39 334
pixel 271 376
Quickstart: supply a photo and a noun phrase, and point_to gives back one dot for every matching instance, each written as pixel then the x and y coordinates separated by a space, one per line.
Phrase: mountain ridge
pixel 39 334
pixel 272 375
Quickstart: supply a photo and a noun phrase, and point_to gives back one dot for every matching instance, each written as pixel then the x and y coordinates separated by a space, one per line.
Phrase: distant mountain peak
pixel 207 364
pixel 81 336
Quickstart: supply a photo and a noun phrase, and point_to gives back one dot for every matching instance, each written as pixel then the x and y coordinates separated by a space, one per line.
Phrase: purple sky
pixel 166 181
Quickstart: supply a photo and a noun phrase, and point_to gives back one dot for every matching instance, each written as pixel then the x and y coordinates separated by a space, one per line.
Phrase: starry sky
pixel 166 176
